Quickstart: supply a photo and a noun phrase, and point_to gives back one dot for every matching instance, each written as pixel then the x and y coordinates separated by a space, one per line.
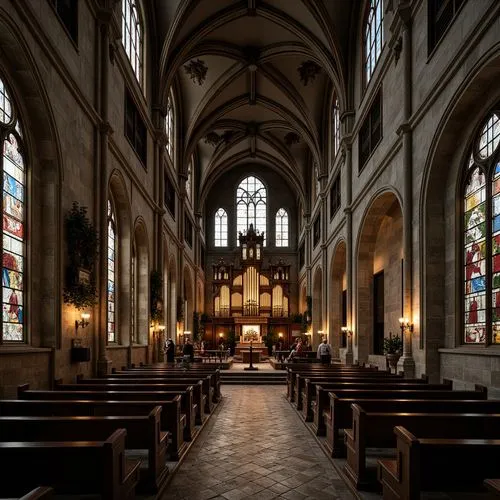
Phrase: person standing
pixel 188 354
pixel 170 350
pixel 324 352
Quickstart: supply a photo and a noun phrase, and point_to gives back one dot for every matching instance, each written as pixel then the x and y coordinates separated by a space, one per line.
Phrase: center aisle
pixel 256 446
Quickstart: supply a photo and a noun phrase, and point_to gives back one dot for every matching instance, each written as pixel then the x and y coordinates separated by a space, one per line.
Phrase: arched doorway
pixel 338 299
pixel 379 274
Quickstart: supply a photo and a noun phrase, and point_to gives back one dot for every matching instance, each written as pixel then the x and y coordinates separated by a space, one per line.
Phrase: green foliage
pixel 271 338
pixel 82 244
pixel 231 338
pixel 393 345
pixel 155 288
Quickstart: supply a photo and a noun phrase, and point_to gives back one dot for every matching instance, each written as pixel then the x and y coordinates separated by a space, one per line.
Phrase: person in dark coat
pixel 170 350
pixel 188 350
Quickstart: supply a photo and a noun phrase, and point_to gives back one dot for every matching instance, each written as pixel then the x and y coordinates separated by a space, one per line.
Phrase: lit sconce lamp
pixel 83 322
pixel 320 333
pixel 280 335
pixel 346 331
pixel 405 324
pixel 161 328
pixel 221 335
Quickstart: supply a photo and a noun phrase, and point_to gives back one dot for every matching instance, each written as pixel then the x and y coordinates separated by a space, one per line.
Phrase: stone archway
pixel 379 264
pixel 338 283
pixel 317 309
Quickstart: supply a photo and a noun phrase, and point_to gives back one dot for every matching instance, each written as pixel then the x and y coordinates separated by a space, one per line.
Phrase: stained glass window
pixel 220 239
pixel 111 273
pixel 169 125
pixel 281 228
pixel 14 217
pixel 251 202
pixel 336 127
pixel 481 215
pixel 132 36
pixel 374 37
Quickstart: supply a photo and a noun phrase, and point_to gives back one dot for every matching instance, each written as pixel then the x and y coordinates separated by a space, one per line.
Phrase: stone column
pixel 403 17
pixel 347 149
pixel 104 18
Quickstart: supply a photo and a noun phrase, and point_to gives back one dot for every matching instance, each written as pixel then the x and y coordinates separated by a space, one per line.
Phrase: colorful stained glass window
pixel 251 202
pixel 281 228
pixel 220 232
pixel 132 36
pixel 13 226
pixel 374 37
pixel 481 218
pixel 111 273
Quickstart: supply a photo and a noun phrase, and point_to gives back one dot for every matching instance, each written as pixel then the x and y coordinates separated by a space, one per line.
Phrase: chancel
pixel 289 207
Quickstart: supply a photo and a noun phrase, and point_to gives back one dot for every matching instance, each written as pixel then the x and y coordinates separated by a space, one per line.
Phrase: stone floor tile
pixel 255 446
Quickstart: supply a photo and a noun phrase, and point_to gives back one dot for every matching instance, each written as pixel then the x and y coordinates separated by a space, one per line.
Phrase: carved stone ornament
pixel 197 70
pixel 212 139
pixel 291 138
pixel 308 71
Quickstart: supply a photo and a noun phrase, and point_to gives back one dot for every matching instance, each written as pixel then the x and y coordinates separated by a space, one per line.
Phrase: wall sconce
pixel 221 335
pixel 280 335
pixel 83 322
pixel 405 325
pixel 161 328
pixel 346 330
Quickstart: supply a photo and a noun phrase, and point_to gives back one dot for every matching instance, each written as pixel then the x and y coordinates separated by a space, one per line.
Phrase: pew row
pixel 70 467
pixel 437 464
pixel 340 414
pixel 143 433
pixel 376 430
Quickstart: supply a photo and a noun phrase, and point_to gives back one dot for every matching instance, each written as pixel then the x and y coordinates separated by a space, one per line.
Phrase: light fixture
pixel 161 327
pixel 280 335
pixel 221 335
pixel 405 324
pixel 83 322
pixel 346 330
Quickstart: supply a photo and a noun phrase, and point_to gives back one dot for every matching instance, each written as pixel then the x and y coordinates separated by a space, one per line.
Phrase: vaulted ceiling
pixel 253 81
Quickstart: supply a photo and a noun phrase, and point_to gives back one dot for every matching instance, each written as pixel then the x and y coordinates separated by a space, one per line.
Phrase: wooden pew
pixel 172 420
pixel 187 408
pixel 143 433
pixel 308 394
pixel 170 375
pixel 375 430
pixel 292 376
pixel 340 415
pixel 197 388
pixel 207 389
pixel 437 464
pixel 493 485
pixel 70 467
pixel 40 493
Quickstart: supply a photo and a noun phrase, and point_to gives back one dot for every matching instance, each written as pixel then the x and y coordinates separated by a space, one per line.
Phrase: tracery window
pixel 14 219
pixel 281 228
pixel 373 37
pixel 220 232
pixel 251 202
pixel 481 216
pixel 133 36
pixel 112 240
pixel 189 180
pixel 169 125
pixel 336 127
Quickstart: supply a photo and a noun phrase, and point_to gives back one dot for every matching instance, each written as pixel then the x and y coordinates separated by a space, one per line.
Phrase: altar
pixel 246 355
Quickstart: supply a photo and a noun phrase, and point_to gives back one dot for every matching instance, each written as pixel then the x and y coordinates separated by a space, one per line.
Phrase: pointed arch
pixel 220 232
pixel 133 36
pixel 141 285
pixel 281 228
pixel 251 206
pixel 373 36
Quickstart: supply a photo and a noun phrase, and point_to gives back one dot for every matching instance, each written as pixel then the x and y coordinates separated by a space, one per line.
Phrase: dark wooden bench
pixel 308 394
pixel 172 420
pixel 375 430
pixel 70 467
pixel 493 485
pixel 153 396
pixel 340 415
pixel 437 464
pixel 143 433
pixel 199 398
pixel 40 493
pixel 207 389
pixel 172 375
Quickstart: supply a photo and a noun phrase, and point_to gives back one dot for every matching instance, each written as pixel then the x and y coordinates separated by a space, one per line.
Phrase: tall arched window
pixel 111 273
pixel 373 37
pixel 133 36
pixel 251 200
pixel 14 217
pixel 220 233
pixel 481 216
pixel 336 126
pixel 169 125
pixel 281 228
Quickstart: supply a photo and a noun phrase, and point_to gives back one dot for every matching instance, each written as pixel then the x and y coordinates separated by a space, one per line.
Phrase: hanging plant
pixel 82 250
pixel 155 287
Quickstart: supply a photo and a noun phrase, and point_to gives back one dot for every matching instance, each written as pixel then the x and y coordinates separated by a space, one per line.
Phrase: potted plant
pixel 393 347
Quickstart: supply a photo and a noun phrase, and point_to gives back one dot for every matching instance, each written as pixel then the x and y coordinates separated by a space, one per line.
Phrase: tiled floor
pixel 256 446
